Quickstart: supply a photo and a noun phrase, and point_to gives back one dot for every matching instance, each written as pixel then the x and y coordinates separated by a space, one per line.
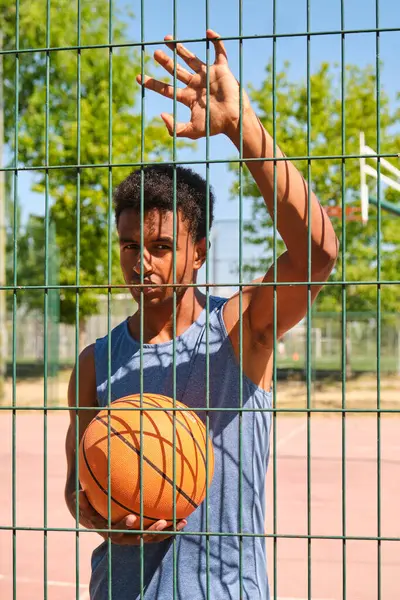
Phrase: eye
pixel 162 247
pixel 130 247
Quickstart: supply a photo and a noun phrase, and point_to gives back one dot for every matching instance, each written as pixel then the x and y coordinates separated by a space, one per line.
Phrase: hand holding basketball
pixel 91 519
pixel 88 517
pixel 133 522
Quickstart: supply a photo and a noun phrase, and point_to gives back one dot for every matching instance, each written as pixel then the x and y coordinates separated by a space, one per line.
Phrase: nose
pixel 147 268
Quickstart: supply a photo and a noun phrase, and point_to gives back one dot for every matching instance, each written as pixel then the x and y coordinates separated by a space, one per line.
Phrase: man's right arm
pixel 79 420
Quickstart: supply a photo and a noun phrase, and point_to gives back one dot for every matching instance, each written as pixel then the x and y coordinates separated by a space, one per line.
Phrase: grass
pixel 363 364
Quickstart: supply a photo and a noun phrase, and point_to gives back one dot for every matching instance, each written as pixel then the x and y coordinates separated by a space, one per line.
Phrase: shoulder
pixel 116 334
pixel 86 357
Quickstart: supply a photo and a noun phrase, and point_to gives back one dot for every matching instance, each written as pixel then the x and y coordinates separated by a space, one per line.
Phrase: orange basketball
pixel 158 451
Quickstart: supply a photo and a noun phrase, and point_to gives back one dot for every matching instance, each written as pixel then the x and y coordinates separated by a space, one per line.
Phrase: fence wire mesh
pixel 71 128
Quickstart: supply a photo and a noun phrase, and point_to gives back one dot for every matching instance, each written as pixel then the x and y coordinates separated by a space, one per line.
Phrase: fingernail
pixel 130 521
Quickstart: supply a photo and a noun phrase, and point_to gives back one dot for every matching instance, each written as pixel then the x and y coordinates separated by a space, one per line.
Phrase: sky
pixel 257 19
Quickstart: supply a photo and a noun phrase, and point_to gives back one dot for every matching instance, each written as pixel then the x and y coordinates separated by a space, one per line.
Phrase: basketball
pixel 119 434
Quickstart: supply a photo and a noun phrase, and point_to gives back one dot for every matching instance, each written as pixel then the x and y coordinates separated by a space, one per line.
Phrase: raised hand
pixel 223 91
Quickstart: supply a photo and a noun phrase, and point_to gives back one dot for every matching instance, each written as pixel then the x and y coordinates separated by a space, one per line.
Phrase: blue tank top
pixel 227 555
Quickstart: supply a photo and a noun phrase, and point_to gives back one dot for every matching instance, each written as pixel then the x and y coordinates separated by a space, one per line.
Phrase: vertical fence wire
pixel 141 305
pixel 344 293
pixel 109 290
pixel 207 291
pixel 274 314
pixel 241 380
pixel 378 300
pixel 174 296
pixel 14 307
pixel 309 307
pixel 77 294
pixel 46 301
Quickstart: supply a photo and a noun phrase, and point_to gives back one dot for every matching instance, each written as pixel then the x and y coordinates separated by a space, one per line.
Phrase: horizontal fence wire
pixel 267 36
pixel 283 409
pixel 216 534
pixel 107 287
pixel 216 161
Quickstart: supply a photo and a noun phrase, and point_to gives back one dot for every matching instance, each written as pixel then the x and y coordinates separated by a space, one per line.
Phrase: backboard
pixel 367 169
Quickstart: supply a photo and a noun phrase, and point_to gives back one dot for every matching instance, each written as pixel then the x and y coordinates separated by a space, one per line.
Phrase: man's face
pixel 158 251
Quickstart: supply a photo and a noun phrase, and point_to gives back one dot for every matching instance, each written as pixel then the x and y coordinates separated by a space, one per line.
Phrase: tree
pixel 31 260
pixel 98 141
pixel 359 245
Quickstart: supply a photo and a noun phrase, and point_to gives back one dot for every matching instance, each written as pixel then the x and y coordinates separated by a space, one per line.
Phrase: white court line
pixel 281 442
pixel 51 582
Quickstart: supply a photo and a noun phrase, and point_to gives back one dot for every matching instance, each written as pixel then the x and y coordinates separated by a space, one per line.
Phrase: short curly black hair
pixel 191 195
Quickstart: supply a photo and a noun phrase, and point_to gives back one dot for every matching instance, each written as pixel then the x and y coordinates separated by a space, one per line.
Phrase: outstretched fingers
pixel 165 89
pixel 221 56
pixel 190 59
pixel 168 63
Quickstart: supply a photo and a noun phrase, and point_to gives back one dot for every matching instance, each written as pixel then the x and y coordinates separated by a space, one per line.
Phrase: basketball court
pixel 324 505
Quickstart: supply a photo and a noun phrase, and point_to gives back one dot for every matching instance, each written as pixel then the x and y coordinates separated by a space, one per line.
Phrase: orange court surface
pixel 367 564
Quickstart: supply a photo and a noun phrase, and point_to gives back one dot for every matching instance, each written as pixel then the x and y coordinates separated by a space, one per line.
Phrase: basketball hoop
pixel 368 170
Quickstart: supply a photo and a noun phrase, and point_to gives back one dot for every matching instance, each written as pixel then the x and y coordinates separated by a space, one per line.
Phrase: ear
pixel 200 253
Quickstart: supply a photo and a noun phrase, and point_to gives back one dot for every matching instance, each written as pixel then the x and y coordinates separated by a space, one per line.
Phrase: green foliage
pixel 334 181
pixel 79 132
pixel 31 260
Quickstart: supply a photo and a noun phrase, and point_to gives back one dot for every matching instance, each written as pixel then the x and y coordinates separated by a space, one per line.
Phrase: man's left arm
pixel 292 223
pixel 292 194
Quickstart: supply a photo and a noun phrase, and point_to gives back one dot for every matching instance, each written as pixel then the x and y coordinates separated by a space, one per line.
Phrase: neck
pixel 158 326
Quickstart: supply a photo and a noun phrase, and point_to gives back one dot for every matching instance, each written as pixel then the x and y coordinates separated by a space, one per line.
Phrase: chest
pixel 198 376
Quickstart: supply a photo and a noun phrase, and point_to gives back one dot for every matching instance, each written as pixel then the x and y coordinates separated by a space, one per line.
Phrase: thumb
pixel 182 129
pixel 169 122
pixel 83 499
pixel 84 505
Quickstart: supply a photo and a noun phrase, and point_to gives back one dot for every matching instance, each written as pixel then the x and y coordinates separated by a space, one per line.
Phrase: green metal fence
pixel 76 170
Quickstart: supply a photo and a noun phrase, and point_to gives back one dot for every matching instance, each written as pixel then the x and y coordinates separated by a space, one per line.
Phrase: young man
pixel 229 566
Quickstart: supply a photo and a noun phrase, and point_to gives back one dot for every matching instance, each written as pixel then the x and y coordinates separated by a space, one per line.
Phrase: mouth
pixel 147 287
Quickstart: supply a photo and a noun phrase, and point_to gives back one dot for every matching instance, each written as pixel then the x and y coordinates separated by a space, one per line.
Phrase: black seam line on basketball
pixel 184 427
pixel 182 424
pixel 151 464
pixel 130 511
pixel 179 421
